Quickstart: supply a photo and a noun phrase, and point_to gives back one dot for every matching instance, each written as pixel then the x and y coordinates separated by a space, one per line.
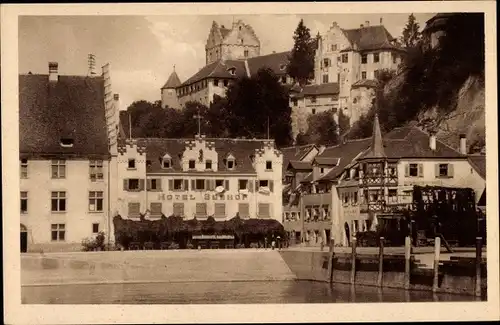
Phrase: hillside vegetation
pixel 441 88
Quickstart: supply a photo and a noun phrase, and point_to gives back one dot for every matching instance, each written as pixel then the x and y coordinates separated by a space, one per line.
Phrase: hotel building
pixel 199 177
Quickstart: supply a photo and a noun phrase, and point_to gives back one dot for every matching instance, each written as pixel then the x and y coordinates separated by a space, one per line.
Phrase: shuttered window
pixel 154 184
pixel 264 210
pixel 220 210
pixel 201 209
pixel 134 209
pixel 156 209
pixel 179 209
pixel 414 170
pixel 244 209
pixel 444 170
pixel 133 185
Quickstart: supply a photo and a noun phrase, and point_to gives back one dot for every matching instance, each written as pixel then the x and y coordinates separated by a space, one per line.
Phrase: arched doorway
pixel 24 239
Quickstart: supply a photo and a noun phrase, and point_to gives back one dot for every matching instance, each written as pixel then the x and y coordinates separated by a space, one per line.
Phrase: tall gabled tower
pixel 168 91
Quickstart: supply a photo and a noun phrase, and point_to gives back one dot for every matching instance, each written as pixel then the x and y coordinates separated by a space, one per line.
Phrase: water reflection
pixel 224 293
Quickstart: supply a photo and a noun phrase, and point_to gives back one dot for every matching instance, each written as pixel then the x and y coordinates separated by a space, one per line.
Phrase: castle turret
pixel 169 93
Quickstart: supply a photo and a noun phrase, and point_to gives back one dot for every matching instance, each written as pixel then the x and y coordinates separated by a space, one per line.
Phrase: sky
pixel 142 50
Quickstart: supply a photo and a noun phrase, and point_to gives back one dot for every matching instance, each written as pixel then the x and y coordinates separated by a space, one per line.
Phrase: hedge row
pixel 176 229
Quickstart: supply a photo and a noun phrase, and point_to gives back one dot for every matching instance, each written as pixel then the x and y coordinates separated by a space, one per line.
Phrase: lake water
pixel 254 292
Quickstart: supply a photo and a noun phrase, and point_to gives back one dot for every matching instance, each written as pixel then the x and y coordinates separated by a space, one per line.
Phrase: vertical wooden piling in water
pixel 380 262
pixel 330 260
pixel 353 260
pixel 479 243
pixel 407 261
pixel 437 248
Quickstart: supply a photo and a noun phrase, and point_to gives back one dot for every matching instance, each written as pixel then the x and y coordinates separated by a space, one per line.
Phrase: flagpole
pixel 130 125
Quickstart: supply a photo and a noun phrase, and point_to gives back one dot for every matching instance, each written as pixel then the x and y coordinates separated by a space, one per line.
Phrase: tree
pixel 411 34
pixel 301 139
pixel 344 123
pixel 301 66
pixel 217 118
pixel 257 104
pixel 322 129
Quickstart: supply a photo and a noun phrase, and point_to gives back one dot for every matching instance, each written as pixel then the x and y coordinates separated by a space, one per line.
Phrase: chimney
pixel 463 144
pixel 367 23
pixel 432 141
pixel 53 75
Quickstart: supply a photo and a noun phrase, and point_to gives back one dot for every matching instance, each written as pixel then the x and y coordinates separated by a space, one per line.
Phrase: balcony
pixel 392 204
pixel 317 198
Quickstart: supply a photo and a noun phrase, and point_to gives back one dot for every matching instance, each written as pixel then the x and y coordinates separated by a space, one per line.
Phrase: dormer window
pixel 322 170
pixel 67 142
pixel 232 71
pixel 131 164
pixel 167 161
pixel 230 164
pixel 282 67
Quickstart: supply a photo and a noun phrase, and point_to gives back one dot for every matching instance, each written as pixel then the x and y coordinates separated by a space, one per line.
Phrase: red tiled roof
pixel 326 161
pixel 478 162
pixel 241 149
pixel 331 88
pixel 411 142
pixel 300 165
pixel 72 107
pixel 220 69
pixel 368 83
pixel 173 81
pixel 345 152
pixel 277 62
pixel 369 38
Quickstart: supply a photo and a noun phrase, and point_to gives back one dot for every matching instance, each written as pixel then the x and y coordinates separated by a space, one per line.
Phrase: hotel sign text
pixel 206 197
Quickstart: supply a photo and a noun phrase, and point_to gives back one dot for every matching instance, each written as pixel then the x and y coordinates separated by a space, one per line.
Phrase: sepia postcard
pixel 250 162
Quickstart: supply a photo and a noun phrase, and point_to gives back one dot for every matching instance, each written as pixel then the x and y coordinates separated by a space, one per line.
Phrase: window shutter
pixel 125 184
pixel 450 170
pixel 212 184
pixel 148 184
pixel 158 184
pixel 207 184
pixel 226 184
pixel 256 185
pixel 193 185
pixel 171 184
pixel 186 185
pixel 250 185
pixel 436 170
pixel 407 170
pixel 141 185
pixel 420 170
pixel 271 186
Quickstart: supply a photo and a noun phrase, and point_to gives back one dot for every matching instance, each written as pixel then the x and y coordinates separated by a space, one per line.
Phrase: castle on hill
pixel 347 63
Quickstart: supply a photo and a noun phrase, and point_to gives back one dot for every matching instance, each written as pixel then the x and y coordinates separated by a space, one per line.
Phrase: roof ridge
pixel 437 140
pixel 193 138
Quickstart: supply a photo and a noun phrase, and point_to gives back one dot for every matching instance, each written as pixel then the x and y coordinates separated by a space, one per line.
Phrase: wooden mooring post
pixel 437 249
pixel 380 261
pixel 479 248
pixel 407 261
pixel 330 260
pixel 353 260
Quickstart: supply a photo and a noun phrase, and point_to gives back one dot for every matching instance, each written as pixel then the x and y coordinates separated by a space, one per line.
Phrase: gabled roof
pixel 368 83
pixel 331 88
pixel 71 107
pixel 299 165
pixel 277 62
pixel 242 149
pixel 345 152
pixel 412 142
pixel 478 162
pixel 369 38
pixel 218 69
pixel 295 153
pixel 327 161
pixel 172 82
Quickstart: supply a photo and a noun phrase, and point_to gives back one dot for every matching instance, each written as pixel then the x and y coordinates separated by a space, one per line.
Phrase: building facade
pixel 199 178
pixel 65 126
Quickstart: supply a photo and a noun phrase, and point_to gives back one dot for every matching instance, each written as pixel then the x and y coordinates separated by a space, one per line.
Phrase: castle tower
pixel 169 93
